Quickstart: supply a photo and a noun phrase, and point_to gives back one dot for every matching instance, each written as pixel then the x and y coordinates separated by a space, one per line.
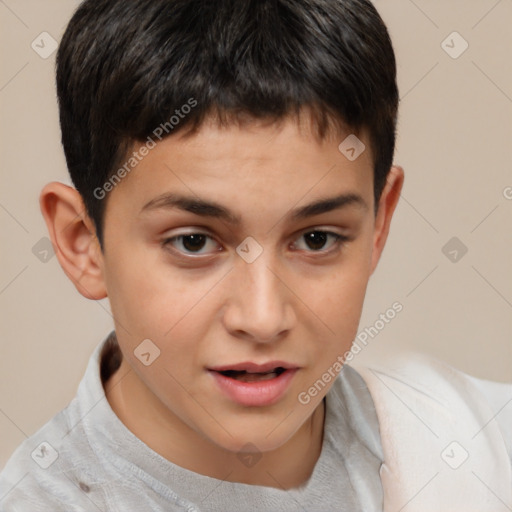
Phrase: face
pixel 239 246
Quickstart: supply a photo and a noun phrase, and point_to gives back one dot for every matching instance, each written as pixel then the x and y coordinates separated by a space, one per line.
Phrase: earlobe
pixel 387 204
pixel 74 238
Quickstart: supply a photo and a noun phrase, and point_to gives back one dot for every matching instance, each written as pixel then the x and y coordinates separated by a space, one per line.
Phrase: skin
pixel 298 302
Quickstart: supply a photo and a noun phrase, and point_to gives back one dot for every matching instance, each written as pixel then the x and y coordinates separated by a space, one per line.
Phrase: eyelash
pixel 339 240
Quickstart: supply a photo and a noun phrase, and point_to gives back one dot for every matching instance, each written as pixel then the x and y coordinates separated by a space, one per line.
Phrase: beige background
pixel 455 143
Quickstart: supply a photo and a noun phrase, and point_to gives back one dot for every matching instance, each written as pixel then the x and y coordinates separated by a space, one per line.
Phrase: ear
pixel 387 204
pixel 74 238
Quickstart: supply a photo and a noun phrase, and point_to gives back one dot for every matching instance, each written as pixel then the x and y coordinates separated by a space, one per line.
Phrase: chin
pixel 253 439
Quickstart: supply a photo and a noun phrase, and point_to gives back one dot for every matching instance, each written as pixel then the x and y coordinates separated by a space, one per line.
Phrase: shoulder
pixel 40 474
pixel 421 374
pixel 442 426
pixel 498 396
pixel 418 375
pixel 434 389
pixel 56 468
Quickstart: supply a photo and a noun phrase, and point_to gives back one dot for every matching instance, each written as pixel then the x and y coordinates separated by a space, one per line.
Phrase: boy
pixel 234 192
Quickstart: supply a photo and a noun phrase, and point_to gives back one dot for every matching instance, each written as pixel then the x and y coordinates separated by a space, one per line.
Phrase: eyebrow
pixel 215 210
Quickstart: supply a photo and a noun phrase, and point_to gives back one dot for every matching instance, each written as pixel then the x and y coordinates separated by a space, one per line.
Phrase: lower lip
pixel 255 394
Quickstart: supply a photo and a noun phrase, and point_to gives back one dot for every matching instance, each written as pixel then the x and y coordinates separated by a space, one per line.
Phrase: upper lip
pixel 251 367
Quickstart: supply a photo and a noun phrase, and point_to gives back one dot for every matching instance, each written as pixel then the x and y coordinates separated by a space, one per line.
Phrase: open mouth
pixel 254 385
pixel 244 376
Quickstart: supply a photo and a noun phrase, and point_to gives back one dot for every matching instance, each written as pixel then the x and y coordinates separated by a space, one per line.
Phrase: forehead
pixel 252 165
pixel 256 139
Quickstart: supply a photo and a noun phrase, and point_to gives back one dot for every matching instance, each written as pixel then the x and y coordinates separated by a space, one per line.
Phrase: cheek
pixel 348 289
pixel 342 307
pixel 165 305
pixel 146 293
pixel 343 288
pixel 339 302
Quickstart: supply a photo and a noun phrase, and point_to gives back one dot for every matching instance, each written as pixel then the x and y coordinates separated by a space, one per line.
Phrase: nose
pixel 259 306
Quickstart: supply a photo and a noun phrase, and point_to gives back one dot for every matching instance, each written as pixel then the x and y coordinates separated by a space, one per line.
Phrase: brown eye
pixel 190 243
pixel 193 242
pixel 317 240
